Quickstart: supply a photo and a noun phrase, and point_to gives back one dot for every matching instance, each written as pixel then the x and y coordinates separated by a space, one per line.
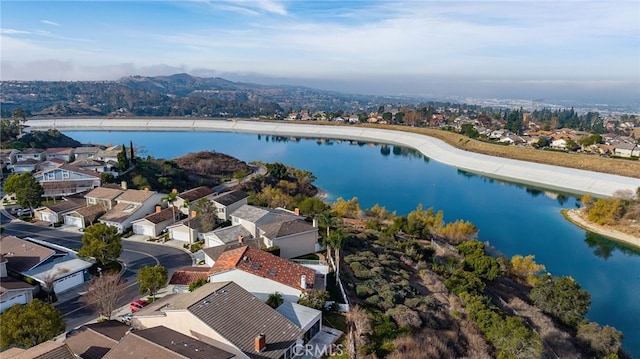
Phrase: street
pixel 135 255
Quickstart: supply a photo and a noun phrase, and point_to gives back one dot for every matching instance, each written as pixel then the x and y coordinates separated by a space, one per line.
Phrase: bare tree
pixel 359 328
pixel 103 293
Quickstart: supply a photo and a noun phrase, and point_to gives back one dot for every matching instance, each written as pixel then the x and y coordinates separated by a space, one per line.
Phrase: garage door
pixel 68 282
pixel 73 221
pixel 18 299
pixel 48 217
pixel 180 235
pixel 142 229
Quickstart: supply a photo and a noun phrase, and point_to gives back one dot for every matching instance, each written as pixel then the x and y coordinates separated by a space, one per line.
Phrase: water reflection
pixel 604 247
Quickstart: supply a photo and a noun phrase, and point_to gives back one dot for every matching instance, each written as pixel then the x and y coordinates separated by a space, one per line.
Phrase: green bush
pixel 363 291
pixel 360 271
pixel 275 250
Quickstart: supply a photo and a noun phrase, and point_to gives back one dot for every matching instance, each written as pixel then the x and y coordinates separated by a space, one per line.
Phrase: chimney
pixel 297 211
pixel 158 208
pixel 146 189
pixel 193 214
pixel 174 190
pixel 240 239
pixel 303 281
pixel 261 342
pixel 315 223
pixel 123 185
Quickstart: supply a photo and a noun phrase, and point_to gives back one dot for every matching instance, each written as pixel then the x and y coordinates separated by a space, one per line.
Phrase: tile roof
pixel 161 342
pixel 250 213
pixel 69 204
pixel 163 215
pixel 229 198
pixel 59 150
pixel 104 193
pixel 30 151
pixel 230 234
pixel 22 255
pixel 119 213
pixel 282 229
pixel 188 275
pixel 264 265
pixel 87 150
pixel 93 341
pixel 87 162
pixel 239 317
pixel 215 252
pixel 196 193
pixel 9 283
pixel 135 196
pixel 46 350
pixel 92 210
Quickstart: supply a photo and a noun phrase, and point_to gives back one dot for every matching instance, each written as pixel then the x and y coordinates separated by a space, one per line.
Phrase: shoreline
pixel 551 177
pixel 574 216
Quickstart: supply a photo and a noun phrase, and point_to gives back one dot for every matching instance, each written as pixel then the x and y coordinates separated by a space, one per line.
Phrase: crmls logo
pixel 318 350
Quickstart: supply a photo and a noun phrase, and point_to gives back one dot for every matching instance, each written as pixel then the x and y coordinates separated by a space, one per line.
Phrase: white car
pixel 24 211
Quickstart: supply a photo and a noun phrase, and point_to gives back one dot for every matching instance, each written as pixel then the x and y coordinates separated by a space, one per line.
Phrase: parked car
pixel 24 211
pixel 138 304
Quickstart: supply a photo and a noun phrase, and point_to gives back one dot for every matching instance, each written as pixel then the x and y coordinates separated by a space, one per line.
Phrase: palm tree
pixel 187 205
pixel 275 300
pixel 171 198
pixel 336 240
pixel 328 220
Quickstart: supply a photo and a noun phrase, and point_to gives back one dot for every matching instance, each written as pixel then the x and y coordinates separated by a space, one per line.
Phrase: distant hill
pixel 176 95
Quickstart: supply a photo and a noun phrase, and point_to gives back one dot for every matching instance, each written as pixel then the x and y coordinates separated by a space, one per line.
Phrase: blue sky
pixel 406 47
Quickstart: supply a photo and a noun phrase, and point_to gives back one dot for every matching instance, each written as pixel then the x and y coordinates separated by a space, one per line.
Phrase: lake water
pixel 514 219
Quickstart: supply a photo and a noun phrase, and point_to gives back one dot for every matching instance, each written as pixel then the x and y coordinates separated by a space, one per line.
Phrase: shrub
pixel 363 291
pixel 275 250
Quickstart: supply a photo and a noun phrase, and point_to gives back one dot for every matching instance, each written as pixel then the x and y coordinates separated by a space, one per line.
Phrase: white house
pixel 55 213
pixel 185 230
pixel 153 224
pixel 228 202
pixel 65 154
pixel 624 149
pixel 66 180
pixel 12 291
pixel 192 196
pixel 44 261
pixel 131 205
pixel 278 227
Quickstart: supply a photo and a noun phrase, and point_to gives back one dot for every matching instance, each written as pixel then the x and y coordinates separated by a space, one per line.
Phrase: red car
pixel 138 304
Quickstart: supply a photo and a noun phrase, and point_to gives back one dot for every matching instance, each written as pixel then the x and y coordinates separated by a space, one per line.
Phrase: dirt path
pixel 575 216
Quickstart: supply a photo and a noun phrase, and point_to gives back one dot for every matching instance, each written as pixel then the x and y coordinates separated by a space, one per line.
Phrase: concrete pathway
pixel 545 176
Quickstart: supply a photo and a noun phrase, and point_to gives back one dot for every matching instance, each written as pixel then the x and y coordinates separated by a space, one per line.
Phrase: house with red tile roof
pixel 262 273
pixel 183 277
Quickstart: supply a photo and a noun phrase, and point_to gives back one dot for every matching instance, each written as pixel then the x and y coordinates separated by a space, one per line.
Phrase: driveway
pixel 135 255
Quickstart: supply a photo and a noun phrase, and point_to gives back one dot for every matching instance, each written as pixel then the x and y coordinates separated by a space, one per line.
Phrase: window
pixel 51 176
pixel 65 175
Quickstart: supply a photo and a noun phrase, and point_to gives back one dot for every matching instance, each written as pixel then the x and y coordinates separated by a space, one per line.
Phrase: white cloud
pixel 49 22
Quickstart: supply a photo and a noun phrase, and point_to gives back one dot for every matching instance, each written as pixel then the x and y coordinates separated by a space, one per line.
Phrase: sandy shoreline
pixel 573 216
pixel 540 175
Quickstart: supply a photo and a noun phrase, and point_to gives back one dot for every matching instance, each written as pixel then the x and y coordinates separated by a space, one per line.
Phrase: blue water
pixel 514 219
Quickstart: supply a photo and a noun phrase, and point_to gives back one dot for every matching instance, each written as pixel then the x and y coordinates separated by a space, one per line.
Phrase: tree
pixel 314 298
pixel 603 341
pixel 101 242
pixel 275 300
pixel 103 293
pixel 27 325
pixel 463 281
pixel 348 209
pixel 207 215
pixel 152 279
pixel 171 198
pixel 131 154
pixel 277 170
pixel 525 269
pixel 336 240
pixel 123 161
pixel 312 206
pixel 197 284
pixel 28 191
pixel 561 297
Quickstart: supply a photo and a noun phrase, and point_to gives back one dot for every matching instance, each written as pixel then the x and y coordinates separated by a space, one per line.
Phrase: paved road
pixel 135 255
